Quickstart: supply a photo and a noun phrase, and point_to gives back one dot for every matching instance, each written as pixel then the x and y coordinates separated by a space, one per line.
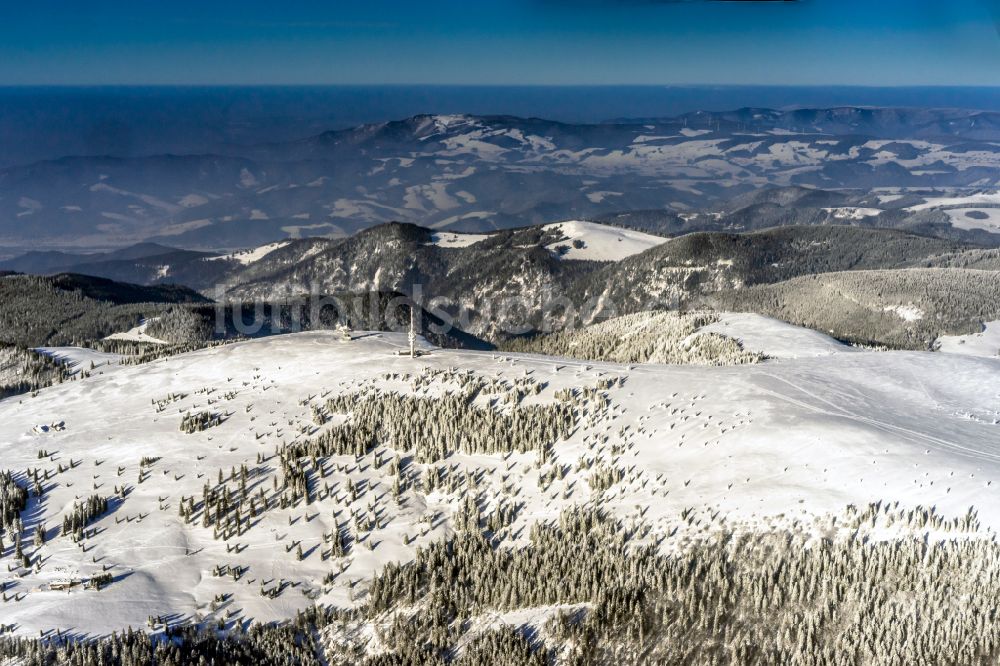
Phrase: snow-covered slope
pixel 749 445
pixel 137 334
pixel 80 358
pixel 252 255
pixel 670 337
pixel 599 242
pixel 987 219
pixel 985 343
pixel 773 338
pixel 992 198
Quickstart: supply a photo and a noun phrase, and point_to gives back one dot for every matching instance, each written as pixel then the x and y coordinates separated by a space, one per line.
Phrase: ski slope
pixel 786 441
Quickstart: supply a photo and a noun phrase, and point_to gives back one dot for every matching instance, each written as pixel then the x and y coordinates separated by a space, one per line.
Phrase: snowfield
pixel 788 440
pixel 988 198
pixel 987 219
pixel 451 239
pixel 77 359
pixel 138 334
pixel 775 339
pixel 600 242
pixel 985 343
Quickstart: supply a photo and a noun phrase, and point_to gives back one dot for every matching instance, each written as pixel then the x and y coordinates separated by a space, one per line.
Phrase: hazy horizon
pixel 48 122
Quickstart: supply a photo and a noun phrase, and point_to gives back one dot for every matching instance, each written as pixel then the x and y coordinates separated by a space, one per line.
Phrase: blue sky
pixel 873 42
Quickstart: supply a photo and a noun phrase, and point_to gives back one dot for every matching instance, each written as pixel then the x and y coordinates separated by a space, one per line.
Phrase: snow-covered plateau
pixel 693 450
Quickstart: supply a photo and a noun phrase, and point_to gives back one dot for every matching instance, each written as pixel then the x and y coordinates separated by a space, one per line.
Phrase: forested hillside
pixel 642 337
pixel 502 285
pixel 506 266
pixel 75 309
pixel 907 309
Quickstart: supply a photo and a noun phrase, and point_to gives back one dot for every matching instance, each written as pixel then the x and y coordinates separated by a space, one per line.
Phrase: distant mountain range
pixel 476 173
pixel 142 263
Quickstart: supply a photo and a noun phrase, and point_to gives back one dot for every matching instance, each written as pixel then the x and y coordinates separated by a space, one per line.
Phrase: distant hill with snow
pixel 587 241
pixel 606 270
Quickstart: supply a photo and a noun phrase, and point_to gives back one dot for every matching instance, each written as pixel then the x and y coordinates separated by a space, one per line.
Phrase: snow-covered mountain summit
pixel 781 443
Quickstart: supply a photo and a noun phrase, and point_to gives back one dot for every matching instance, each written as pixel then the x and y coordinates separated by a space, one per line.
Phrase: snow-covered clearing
pixel 252 255
pixel 759 444
pixel 969 200
pixel 985 343
pixel 975 218
pixel 80 358
pixel 774 338
pixel 853 213
pixel 451 239
pixel 906 312
pixel 138 334
pixel 600 242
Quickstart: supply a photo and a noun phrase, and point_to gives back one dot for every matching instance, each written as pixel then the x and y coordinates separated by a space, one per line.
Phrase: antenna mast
pixel 413 332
